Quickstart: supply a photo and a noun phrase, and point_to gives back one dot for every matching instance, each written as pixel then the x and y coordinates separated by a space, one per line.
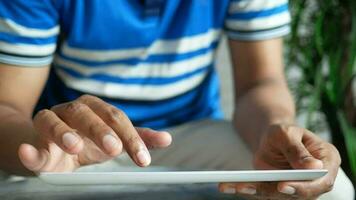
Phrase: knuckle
pixel 57 128
pixel 42 114
pixel 85 97
pixel 97 128
pixel 39 120
pixel 334 150
pixel 115 115
pixel 328 146
pixel 290 131
pixel 281 131
pixel 74 106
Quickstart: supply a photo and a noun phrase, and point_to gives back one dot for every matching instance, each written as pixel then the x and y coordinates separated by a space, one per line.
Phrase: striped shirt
pixel 154 59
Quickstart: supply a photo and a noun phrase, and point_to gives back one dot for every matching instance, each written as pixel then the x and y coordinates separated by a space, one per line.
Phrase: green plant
pixel 322 46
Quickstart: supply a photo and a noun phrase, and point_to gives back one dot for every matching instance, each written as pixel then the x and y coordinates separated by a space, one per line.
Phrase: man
pixel 120 65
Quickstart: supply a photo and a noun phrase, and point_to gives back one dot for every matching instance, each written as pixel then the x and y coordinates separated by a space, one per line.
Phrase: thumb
pixel 299 157
pixel 32 158
pixel 154 139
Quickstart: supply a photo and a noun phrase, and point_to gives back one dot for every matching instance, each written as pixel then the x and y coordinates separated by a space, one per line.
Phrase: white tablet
pixel 178 177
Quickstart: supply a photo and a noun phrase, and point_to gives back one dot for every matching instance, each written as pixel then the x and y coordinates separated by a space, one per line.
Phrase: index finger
pixel 122 126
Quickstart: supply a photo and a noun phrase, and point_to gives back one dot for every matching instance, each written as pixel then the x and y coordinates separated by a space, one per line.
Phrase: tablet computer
pixel 178 177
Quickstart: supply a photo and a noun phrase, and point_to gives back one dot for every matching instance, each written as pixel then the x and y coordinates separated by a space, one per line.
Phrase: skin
pixel 29 146
pixel 264 116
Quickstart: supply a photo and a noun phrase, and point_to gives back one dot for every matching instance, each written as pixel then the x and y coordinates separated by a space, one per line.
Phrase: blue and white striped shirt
pixel 154 59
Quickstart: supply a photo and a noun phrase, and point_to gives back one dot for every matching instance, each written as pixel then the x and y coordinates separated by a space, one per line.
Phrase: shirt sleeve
pixel 28 32
pixel 250 20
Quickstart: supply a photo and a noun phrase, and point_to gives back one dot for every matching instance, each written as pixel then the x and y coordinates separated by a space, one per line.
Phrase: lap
pixel 205 145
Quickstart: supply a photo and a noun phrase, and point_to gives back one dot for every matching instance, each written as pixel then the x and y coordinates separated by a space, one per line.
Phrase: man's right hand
pixel 87 131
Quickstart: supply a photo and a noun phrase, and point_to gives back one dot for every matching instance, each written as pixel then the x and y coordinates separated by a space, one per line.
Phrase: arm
pixel 83 131
pixel 77 133
pixel 262 97
pixel 20 89
pixel 264 117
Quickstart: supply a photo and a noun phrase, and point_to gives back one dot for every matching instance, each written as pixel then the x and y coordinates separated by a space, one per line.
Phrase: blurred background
pixel 320 57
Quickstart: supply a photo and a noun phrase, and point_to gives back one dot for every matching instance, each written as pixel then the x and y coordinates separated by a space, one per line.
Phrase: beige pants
pixel 214 145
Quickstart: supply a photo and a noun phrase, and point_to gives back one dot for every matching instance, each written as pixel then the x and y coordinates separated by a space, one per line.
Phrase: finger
pixel 300 158
pixel 31 158
pixel 241 188
pixel 295 151
pixel 262 160
pixel 227 188
pixel 80 117
pixel 260 190
pixel 331 161
pixel 154 139
pixel 51 127
pixel 305 189
pixel 123 127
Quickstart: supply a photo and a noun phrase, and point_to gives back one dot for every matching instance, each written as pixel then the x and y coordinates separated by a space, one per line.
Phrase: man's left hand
pixel 290 147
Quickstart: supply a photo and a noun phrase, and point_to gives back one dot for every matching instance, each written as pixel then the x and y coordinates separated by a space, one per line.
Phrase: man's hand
pixel 286 147
pixel 87 131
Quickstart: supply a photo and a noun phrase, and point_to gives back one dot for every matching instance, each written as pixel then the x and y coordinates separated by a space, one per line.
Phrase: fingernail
pixel 69 140
pixel 143 157
pixel 288 190
pixel 248 190
pixel 229 190
pixel 110 142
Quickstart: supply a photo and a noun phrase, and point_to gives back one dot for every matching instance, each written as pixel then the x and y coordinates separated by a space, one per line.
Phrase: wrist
pixel 281 115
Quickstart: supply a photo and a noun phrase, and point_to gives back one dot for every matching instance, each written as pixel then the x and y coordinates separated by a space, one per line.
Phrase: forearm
pixel 265 103
pixel 15 129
